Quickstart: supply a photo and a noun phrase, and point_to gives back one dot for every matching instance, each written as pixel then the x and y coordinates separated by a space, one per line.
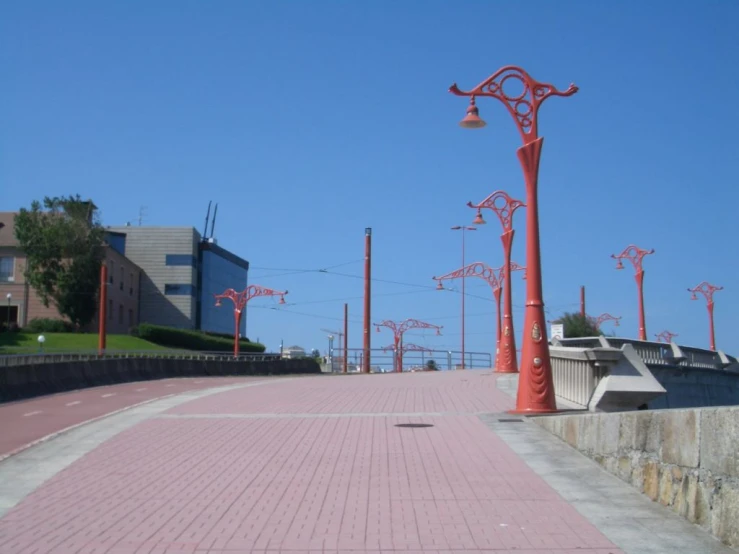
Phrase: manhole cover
pixel 511 420
pixel 414 425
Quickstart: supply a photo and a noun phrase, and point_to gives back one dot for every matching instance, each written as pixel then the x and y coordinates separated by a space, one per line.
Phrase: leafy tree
pixel 431 366
pixel 577 325
pixel 63 241
pixel 315 353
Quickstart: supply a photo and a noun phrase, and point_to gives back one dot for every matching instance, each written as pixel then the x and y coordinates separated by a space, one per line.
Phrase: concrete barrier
pixel 27 381
pixel 687 460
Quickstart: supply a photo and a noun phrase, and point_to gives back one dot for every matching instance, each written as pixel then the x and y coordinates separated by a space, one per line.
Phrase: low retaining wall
pixel 19 382
pixel 686 459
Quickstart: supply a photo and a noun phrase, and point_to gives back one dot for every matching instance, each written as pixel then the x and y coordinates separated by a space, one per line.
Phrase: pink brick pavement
pixel 260 480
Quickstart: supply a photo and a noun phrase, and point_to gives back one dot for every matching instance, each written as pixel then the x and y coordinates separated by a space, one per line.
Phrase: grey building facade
pixel 181 275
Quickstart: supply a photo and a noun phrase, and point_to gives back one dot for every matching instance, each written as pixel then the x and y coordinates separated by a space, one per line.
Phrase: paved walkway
pixel 28 421
pixel 318 464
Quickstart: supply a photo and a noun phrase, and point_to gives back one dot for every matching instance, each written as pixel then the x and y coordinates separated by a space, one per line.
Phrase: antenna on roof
pixel 142 213
pixel 207 217
pixel 213 225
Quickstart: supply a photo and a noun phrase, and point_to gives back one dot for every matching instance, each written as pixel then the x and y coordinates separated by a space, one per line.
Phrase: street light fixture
pixel 399 330
pixel 9 296
pixel 636 256
pixel 464 229
pixel 535 385
pixel 665 336
pixel 602 318
pixel 240 299
pixel 504 207
pixel 707 290
pixel 494 278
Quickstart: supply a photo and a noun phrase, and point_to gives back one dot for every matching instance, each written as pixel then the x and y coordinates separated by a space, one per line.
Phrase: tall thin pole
pixel 582 300
pixel 463 296
pixel 642 322
pixel 346 337
pixel 102 311
pixel 367 297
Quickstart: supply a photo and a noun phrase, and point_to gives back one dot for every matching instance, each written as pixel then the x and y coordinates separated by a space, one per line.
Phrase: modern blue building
pixel 182 273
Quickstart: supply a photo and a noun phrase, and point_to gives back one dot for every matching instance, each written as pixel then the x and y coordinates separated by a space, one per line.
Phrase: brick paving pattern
pixel 223 474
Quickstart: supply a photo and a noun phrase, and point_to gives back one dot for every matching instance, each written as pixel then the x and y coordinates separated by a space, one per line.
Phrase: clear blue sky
pixel 309 121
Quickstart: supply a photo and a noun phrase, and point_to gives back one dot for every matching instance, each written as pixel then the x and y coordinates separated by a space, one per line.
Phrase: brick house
pixel 19 303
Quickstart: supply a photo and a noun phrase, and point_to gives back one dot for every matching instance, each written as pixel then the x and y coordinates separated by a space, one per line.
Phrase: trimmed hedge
pixel 228 336
pixel 48 325
pixel 192 340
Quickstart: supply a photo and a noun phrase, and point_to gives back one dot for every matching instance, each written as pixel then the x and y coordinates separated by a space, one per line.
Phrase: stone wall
pixel 687 460
pixel 26 381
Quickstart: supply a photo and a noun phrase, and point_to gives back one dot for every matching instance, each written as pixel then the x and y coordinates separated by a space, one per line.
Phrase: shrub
pixel 13 327
pixel 192 340
pixel 48 325
pixel 228 336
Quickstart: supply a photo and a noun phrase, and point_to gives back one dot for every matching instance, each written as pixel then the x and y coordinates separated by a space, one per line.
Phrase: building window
pixel 130 284
pixel 181 259
pixel 110 309
pixel 120 314
pixel 130 317
pixel 7 269
pixel 120 285
pixel 110 273
pixel 179 290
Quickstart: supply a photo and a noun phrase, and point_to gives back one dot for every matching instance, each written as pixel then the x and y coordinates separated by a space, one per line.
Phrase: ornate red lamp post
pixel 504 207
pixel 665 336
pixel 636 256
pixel 494 277
pixel 464 230
pixel 399 330
pixel 408 347
pixel 602 318
pixel 707 290
pixel 240 299
pixel 535 385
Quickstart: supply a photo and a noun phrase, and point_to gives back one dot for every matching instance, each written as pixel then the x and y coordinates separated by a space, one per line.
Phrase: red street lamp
pixel 665 336
pixel 494 277
pixel 504 207
pixel 636 255
pixel 707 290
pixel 535 385
pixel 240 299
pixel 464 229
pixel 602 318
pixel 399 330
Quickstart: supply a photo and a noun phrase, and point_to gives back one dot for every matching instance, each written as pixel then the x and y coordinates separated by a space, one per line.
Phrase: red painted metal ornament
pixel 399 330
pixel 636 256
pixel 535 384
pixel 707 290
pixel 240 299
pixel 504 207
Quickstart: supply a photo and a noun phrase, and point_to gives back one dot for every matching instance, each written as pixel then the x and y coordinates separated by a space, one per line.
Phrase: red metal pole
pixel 642 323
pixel 102 310
pixel 507 356
pixel 496 294
pixel 237 321
pixel 398 354
pixel 367 297
pixel 582 300
pixel 463 295
pixel 710 322
pixel 346 337
pixel 536 385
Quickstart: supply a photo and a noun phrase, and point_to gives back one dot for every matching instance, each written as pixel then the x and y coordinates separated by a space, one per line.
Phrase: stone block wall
pixel 687 460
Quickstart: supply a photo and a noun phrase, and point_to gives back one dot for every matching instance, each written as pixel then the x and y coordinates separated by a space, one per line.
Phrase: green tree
pixel 577 325
pixel 431 366
pixel 63 242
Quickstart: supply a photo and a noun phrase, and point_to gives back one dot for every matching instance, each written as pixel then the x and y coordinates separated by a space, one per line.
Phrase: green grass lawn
pixel 25 343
